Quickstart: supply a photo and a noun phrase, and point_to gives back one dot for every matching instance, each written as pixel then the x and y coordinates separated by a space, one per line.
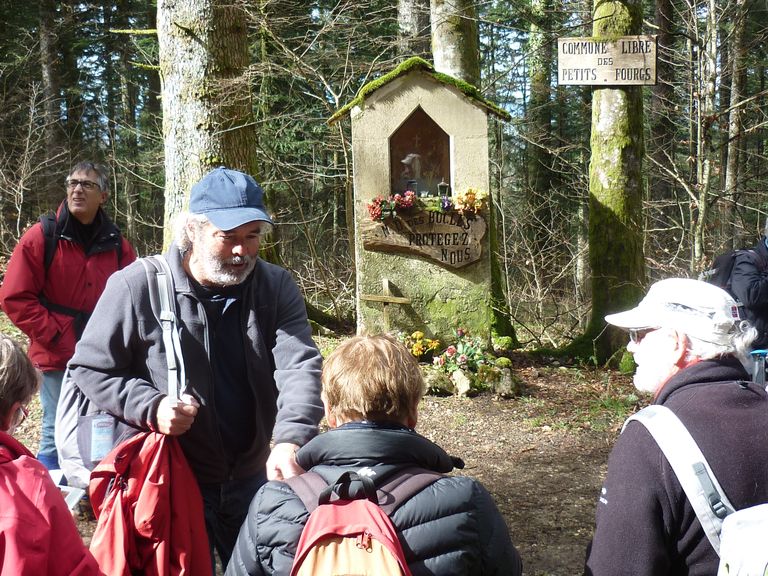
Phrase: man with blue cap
pixel 253 370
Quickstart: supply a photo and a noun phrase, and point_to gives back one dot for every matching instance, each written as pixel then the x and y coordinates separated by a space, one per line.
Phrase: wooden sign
pixel 444 237
pixel 627 60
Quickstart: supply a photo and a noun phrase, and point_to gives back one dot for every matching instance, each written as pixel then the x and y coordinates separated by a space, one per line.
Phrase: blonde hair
pixel 372 378
pixel 19 380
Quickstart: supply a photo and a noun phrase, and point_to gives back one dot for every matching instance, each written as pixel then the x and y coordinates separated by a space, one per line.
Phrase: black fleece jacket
pixel 645 524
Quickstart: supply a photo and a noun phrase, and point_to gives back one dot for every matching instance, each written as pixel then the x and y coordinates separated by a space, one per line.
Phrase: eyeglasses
pixel 24 412
pixel 87 185
pixel 636 335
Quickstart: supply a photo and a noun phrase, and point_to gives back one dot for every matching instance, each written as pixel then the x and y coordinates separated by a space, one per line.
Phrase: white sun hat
pixel 697 308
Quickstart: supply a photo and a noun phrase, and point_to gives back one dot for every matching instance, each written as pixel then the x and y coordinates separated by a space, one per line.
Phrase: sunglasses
pixel 636 335
pixel 86 184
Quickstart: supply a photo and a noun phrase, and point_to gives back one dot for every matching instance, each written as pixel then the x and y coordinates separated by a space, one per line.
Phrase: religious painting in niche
pixel 419 156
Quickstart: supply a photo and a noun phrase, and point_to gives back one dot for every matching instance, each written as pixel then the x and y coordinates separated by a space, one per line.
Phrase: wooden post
pixel 386 299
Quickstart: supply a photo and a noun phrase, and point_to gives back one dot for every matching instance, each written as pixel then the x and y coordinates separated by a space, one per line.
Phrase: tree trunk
pixel 207 108
pixel 615 185
pixel 74 105
pixel 51 189
pixel 455 41
pixel 705 131
pixel 662 133
pixel 127 135
pixel 413 29
pixel 539 133
pixel 733 163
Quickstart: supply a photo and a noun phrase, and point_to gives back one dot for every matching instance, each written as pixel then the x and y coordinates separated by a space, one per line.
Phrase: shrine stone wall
pixel 421 269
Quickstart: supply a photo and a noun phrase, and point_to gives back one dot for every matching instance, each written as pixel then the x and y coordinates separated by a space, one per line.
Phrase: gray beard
pixel 217 272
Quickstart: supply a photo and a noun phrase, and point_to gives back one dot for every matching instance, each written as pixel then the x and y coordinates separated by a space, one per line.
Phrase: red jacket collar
pixel 11 449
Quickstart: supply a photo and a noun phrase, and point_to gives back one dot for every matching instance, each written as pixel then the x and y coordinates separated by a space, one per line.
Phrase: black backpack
pixel 720 272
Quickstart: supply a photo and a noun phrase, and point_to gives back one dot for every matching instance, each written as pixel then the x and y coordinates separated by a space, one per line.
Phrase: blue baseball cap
pixel 228 199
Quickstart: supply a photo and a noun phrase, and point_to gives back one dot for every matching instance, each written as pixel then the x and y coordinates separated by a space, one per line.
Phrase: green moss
pixel 416 63
pixel 613 19
pixel 627 363
pixel 504 343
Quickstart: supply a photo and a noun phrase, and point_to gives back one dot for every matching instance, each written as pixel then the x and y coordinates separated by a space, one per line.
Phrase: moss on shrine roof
pixel 416 63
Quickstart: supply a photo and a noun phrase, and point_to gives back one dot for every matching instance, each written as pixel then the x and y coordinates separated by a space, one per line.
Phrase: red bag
pixel 149 510
pixel 344 536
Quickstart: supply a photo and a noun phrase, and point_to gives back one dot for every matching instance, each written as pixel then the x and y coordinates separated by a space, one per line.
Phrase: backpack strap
pixel 690 466
pixel 50 239
pixel 161 278
pixel 310 487
pixel 48 222
pixel 408 482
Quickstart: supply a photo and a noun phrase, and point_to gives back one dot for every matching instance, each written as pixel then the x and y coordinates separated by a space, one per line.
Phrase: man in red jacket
pixel 37 533
pixel 51 301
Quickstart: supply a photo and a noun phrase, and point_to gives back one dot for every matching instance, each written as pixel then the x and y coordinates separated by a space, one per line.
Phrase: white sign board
pixel 627 60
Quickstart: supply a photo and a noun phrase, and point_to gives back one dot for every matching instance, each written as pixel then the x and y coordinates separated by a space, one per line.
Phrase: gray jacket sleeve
pixel 298 364
pixel 110 363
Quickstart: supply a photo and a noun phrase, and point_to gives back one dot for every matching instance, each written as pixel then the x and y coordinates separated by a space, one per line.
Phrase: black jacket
pixel 645 524
pixel 451 527
pixel 749 284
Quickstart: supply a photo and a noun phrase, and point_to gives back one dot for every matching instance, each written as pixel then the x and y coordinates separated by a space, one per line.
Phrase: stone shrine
pixel 423 221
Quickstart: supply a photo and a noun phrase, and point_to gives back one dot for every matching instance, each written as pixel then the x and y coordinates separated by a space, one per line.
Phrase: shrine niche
pixel 421 197
pixel 419 156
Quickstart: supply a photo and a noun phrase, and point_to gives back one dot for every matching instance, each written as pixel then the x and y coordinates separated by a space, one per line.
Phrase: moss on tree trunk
pixel 615 193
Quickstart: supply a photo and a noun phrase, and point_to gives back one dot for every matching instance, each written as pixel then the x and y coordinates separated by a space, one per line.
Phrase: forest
pixel 82 80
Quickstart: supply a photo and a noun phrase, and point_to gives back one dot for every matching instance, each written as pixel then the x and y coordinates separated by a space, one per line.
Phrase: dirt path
pixel 542 457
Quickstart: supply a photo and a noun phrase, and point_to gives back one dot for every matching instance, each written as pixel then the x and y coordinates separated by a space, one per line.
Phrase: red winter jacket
pixel 37 534
pixel 149 511
pixel 75 280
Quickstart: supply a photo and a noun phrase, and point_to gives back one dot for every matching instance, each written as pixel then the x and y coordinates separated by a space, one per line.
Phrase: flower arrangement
pixel 422 348
pixel 466 203
pixel 380 208
pixel 470 202
pixel 467 354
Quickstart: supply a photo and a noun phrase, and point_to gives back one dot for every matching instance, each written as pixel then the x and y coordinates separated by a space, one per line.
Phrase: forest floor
pixel 541 455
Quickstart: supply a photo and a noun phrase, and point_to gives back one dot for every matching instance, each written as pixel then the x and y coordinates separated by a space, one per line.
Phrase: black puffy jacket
pixel 451 527
pixel 749 284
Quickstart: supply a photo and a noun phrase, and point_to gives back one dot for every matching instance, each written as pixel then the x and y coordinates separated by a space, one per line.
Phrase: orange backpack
pixel 348 535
